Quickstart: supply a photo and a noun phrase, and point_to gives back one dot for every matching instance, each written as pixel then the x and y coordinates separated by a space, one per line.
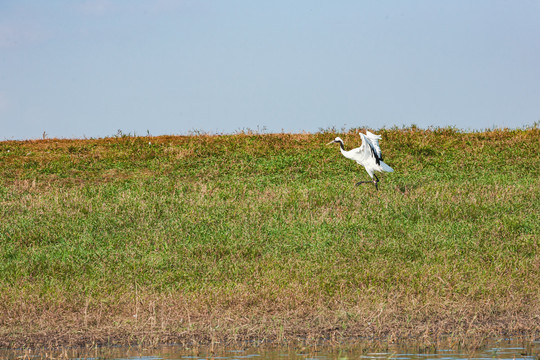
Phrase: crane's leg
pixel 362 182
pixel 375 181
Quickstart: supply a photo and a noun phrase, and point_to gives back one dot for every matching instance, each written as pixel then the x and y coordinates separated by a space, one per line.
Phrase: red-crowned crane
pixel 368 155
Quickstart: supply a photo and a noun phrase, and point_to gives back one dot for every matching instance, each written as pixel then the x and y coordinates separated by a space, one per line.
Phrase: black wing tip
pixel 377 158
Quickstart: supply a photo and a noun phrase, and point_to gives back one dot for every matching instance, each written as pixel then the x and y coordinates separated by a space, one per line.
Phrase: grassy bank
pixel 249 236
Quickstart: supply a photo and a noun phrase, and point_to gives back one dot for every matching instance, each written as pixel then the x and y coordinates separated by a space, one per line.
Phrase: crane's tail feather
pixel 385 167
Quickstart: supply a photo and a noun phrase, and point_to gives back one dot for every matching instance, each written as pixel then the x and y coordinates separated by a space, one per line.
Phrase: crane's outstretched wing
pixel 369 149
pixel 374 139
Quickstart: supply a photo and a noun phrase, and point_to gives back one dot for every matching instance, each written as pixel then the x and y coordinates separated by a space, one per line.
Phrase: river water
pixel 492 350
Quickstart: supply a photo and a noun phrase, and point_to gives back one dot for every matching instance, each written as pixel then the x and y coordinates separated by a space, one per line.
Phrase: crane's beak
pixel 331 142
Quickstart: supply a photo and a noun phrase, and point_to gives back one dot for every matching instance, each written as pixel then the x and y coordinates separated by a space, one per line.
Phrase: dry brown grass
pixel 211 319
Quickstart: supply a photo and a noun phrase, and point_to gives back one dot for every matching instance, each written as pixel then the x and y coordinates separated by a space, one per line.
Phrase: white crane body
pixel 368 155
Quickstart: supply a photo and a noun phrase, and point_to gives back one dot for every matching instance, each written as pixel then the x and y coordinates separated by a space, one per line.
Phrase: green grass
pixel 272 224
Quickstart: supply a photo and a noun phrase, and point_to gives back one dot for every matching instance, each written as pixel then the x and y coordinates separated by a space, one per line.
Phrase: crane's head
pixel 336 140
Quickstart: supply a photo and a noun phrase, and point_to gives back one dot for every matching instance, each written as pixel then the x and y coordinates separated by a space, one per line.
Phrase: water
pixel 492 350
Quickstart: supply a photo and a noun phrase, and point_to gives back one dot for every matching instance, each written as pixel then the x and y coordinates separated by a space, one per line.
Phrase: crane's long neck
pixel 343 151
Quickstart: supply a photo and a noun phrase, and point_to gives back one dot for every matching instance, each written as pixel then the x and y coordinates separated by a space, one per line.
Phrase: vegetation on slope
pixel 230 237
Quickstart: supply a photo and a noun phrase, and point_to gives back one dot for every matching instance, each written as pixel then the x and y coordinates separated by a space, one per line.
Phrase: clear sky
pixel 90 68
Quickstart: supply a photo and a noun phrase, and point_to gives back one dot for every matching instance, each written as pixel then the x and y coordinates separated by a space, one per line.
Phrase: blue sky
pixel 90 68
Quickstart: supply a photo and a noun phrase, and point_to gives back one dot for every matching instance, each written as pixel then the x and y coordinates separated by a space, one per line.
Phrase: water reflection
pixel 494 350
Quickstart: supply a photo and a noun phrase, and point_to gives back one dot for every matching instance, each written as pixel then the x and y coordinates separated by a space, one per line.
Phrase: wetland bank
pixel 263 237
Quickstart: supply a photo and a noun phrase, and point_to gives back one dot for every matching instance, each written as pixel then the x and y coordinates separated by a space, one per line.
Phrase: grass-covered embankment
pixel 223 238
